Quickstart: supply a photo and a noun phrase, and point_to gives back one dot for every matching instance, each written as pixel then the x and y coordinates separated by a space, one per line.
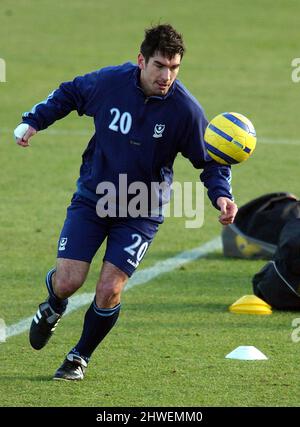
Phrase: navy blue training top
pixel 135 135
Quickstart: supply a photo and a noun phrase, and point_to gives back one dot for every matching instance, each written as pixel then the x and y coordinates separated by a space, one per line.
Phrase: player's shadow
pixel 179 307
pixel 41 378
pixel 25 377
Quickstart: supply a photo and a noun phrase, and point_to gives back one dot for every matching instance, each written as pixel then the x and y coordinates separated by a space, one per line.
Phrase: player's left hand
pixel 228 210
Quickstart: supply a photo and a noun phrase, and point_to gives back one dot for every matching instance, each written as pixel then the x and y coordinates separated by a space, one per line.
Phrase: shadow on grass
pixel 218 256
pixel 179 307
pixel 38 378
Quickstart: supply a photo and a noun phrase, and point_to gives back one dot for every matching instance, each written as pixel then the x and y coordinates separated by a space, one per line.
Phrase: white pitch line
pixel 282 141
pixel 23 325
pixel 139 278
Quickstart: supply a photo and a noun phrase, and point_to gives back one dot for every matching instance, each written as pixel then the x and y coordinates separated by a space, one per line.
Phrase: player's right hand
pixel 23 140
pixel 228 210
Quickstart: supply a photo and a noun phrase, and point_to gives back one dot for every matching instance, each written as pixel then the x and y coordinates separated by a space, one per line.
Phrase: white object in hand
pixel 20 130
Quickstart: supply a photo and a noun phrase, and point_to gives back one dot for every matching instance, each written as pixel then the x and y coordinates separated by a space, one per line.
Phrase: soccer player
pixel 143 118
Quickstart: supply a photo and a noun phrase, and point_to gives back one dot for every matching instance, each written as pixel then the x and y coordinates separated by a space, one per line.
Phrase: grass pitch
pixel 169 346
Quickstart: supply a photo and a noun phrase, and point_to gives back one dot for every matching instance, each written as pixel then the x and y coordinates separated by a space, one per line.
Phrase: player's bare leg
pixel 61 283
pixel 69 276
pixel 110 285
pixel 99 320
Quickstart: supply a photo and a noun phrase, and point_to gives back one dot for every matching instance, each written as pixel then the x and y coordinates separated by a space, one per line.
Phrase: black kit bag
pixel 257 226
pixel 278 283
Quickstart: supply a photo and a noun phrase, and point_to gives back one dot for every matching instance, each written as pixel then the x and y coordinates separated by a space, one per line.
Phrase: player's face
pixel 158 74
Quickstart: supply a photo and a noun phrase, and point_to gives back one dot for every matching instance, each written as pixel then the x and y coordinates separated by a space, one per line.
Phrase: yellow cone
pixel 250 304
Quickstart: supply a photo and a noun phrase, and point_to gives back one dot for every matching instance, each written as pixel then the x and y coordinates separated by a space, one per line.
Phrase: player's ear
pixel 141 61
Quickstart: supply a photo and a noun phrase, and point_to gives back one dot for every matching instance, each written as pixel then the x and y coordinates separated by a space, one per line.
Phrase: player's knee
pixel 108 294
pixel 66 286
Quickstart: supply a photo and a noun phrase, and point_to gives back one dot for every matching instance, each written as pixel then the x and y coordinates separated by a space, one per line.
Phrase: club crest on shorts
pixel 62 243
pixel 158 130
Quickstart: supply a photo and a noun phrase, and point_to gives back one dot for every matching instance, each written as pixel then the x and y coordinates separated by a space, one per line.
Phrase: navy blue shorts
pixel 84 231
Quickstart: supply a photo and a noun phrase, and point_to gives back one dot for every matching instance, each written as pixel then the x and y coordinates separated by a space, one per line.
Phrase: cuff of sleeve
pixel 31 123
pixel 214 200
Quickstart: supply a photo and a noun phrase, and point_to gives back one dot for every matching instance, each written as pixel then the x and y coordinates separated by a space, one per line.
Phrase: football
pixel 230 138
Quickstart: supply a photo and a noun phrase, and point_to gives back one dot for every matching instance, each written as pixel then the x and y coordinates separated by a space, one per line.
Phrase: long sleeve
pixel 79 94
pixel 217 180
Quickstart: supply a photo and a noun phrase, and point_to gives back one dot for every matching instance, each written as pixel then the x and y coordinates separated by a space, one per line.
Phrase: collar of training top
pixel 137 80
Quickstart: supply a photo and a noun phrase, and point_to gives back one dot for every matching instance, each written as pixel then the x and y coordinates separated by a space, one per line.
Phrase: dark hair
pixel 164 39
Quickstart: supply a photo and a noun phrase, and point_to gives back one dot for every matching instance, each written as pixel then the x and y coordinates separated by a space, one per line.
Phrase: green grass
pixel 173 334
